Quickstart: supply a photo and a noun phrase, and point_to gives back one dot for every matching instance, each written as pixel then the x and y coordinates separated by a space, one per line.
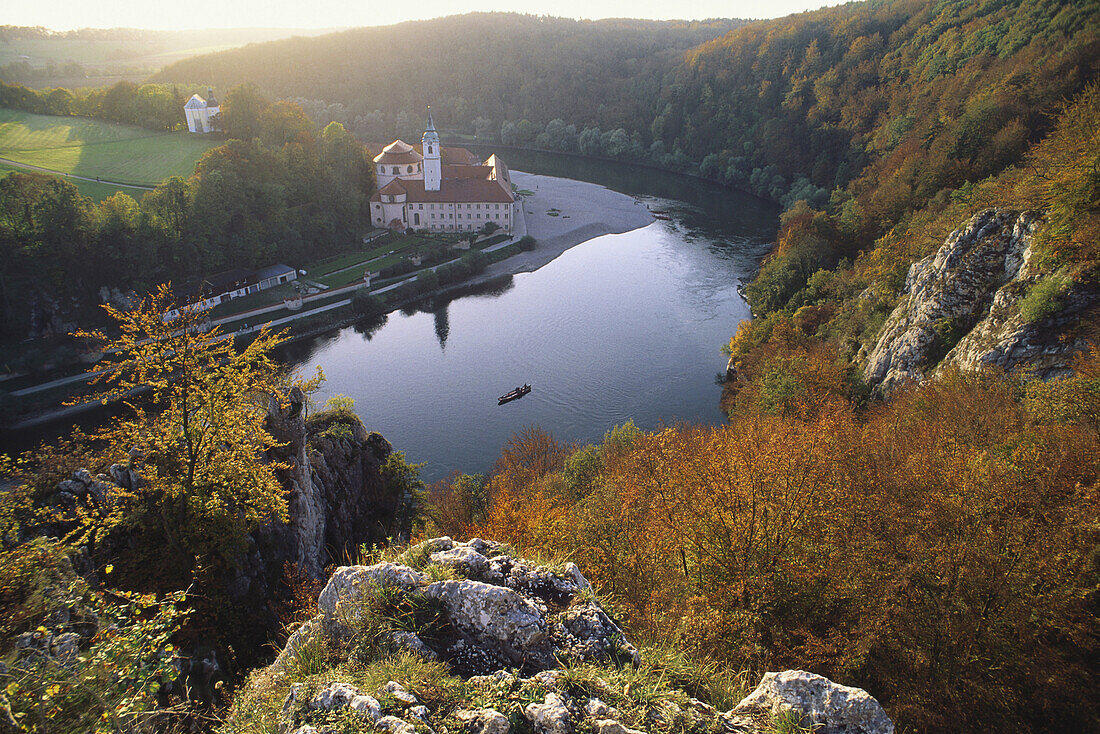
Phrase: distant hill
pixel 101 56
pixel 496 65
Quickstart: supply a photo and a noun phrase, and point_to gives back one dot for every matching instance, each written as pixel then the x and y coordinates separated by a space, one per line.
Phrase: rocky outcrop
pixel 961 306
pixel 335 490
pixel 818 704
pixel 506 626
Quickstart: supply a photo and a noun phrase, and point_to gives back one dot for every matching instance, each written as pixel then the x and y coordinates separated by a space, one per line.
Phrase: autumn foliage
pixel 942 550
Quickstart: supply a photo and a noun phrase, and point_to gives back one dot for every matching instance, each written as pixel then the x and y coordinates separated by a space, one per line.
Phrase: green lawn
pixel 92 148
pixel 97 191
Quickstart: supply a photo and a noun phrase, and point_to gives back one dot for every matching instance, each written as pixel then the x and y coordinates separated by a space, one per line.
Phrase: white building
pixel 202 113
pixel 439 189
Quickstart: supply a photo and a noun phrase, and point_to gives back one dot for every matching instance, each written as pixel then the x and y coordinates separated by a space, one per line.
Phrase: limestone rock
pixel 395 725
pixel 333 696
pixel 551 716
pixel 597 709
pixel 832 708
pixel 398 691
pixel 968 292
pixel 338 600
pixel 495 617
pixel 610 726
pixel 484 721
pixel 366 706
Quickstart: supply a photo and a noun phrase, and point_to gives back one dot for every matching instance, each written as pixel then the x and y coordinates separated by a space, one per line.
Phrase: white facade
pixel 433 166
pixel 440 216
pixel 201 115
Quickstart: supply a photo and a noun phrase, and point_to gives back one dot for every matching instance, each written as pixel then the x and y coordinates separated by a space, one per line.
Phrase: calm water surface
pixel 622 327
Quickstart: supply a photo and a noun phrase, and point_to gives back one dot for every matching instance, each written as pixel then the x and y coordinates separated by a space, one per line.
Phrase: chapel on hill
pixel 440 189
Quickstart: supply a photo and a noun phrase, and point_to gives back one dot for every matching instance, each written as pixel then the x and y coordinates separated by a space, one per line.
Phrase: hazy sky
pixel 183 14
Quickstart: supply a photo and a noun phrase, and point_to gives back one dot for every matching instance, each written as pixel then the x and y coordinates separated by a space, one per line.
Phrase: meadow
pixel 93 148
pixel 93 189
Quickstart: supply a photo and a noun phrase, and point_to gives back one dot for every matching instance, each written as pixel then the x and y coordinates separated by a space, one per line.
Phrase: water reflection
pixel 622 327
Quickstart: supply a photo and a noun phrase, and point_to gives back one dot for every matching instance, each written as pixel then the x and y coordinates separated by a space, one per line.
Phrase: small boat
pixel 665 217
pixel 516 394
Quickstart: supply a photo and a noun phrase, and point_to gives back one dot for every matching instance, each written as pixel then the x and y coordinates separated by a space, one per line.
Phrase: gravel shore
pixel 585 210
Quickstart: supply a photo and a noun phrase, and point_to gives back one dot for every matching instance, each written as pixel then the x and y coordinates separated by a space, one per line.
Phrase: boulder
pixel 496 618
pixel 484 721
pixel 552 716
pixel 830 707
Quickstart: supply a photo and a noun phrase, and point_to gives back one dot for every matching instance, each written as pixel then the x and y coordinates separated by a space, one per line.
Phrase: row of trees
pixel 289 194
pixel 153 106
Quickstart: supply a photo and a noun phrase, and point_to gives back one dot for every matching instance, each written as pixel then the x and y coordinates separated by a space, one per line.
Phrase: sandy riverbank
pixel 587 210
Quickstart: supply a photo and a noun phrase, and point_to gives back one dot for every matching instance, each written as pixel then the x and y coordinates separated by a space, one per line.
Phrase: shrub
pixel 367 305
pixel 1043 299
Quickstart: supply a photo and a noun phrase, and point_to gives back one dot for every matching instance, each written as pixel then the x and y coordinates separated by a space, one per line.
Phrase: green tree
pixel 199 442
pixel 242 112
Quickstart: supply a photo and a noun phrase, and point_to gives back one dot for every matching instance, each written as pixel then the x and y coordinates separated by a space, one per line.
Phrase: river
pixel 622 327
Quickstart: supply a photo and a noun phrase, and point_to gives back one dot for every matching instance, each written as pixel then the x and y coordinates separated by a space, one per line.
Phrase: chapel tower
pixel 433 169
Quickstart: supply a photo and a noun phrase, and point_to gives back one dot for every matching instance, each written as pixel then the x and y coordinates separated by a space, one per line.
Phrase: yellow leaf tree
pixel 195 434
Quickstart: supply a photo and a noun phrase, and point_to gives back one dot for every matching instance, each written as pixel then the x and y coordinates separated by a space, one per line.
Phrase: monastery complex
pixel 440 189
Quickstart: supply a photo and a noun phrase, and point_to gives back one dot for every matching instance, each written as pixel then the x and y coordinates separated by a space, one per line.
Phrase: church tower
pixel 433 169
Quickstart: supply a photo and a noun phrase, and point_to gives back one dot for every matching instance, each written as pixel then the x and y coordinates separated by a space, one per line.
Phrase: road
pixel 17 164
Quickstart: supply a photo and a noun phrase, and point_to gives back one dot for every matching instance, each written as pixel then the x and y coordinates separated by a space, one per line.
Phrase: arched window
pixel 397 169
pixel 429 150
pixel 409 169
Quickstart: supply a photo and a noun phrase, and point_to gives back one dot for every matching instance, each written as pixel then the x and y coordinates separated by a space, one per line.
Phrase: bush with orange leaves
pixel 942 551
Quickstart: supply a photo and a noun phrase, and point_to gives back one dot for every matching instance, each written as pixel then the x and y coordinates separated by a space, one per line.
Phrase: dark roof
pixel 272 271
pixel 229 280
pixel 453 191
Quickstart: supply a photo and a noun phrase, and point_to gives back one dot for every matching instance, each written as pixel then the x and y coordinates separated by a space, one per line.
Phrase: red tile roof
pixel 395 186
pixel 453 191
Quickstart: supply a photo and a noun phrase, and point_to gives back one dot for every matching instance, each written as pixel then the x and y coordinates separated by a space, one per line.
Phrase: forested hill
pixel 497 65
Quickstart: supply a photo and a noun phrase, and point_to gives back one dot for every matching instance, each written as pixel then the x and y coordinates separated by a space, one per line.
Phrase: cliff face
pixel 961 306
pixel 337 496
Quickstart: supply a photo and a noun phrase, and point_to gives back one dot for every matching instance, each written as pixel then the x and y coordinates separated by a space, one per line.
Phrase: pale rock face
pixel 398 691
pixel 833 708
pixel 549 717
pixel 395 725
pixel 492 614
pixel 485 721
pixel 597 709
pixel 333 696
pixel 469 562
pixel 366 706
pixel 404 640
pixel 348 584
pixel 610 726
pixel 974 283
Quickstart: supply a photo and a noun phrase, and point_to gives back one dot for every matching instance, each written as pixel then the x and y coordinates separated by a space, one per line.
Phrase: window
pixel 416 218
pixel 409 169
pixel 498 206
pixel 419 206
pixel 479 206
pixel 396 169
pixel 429 150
